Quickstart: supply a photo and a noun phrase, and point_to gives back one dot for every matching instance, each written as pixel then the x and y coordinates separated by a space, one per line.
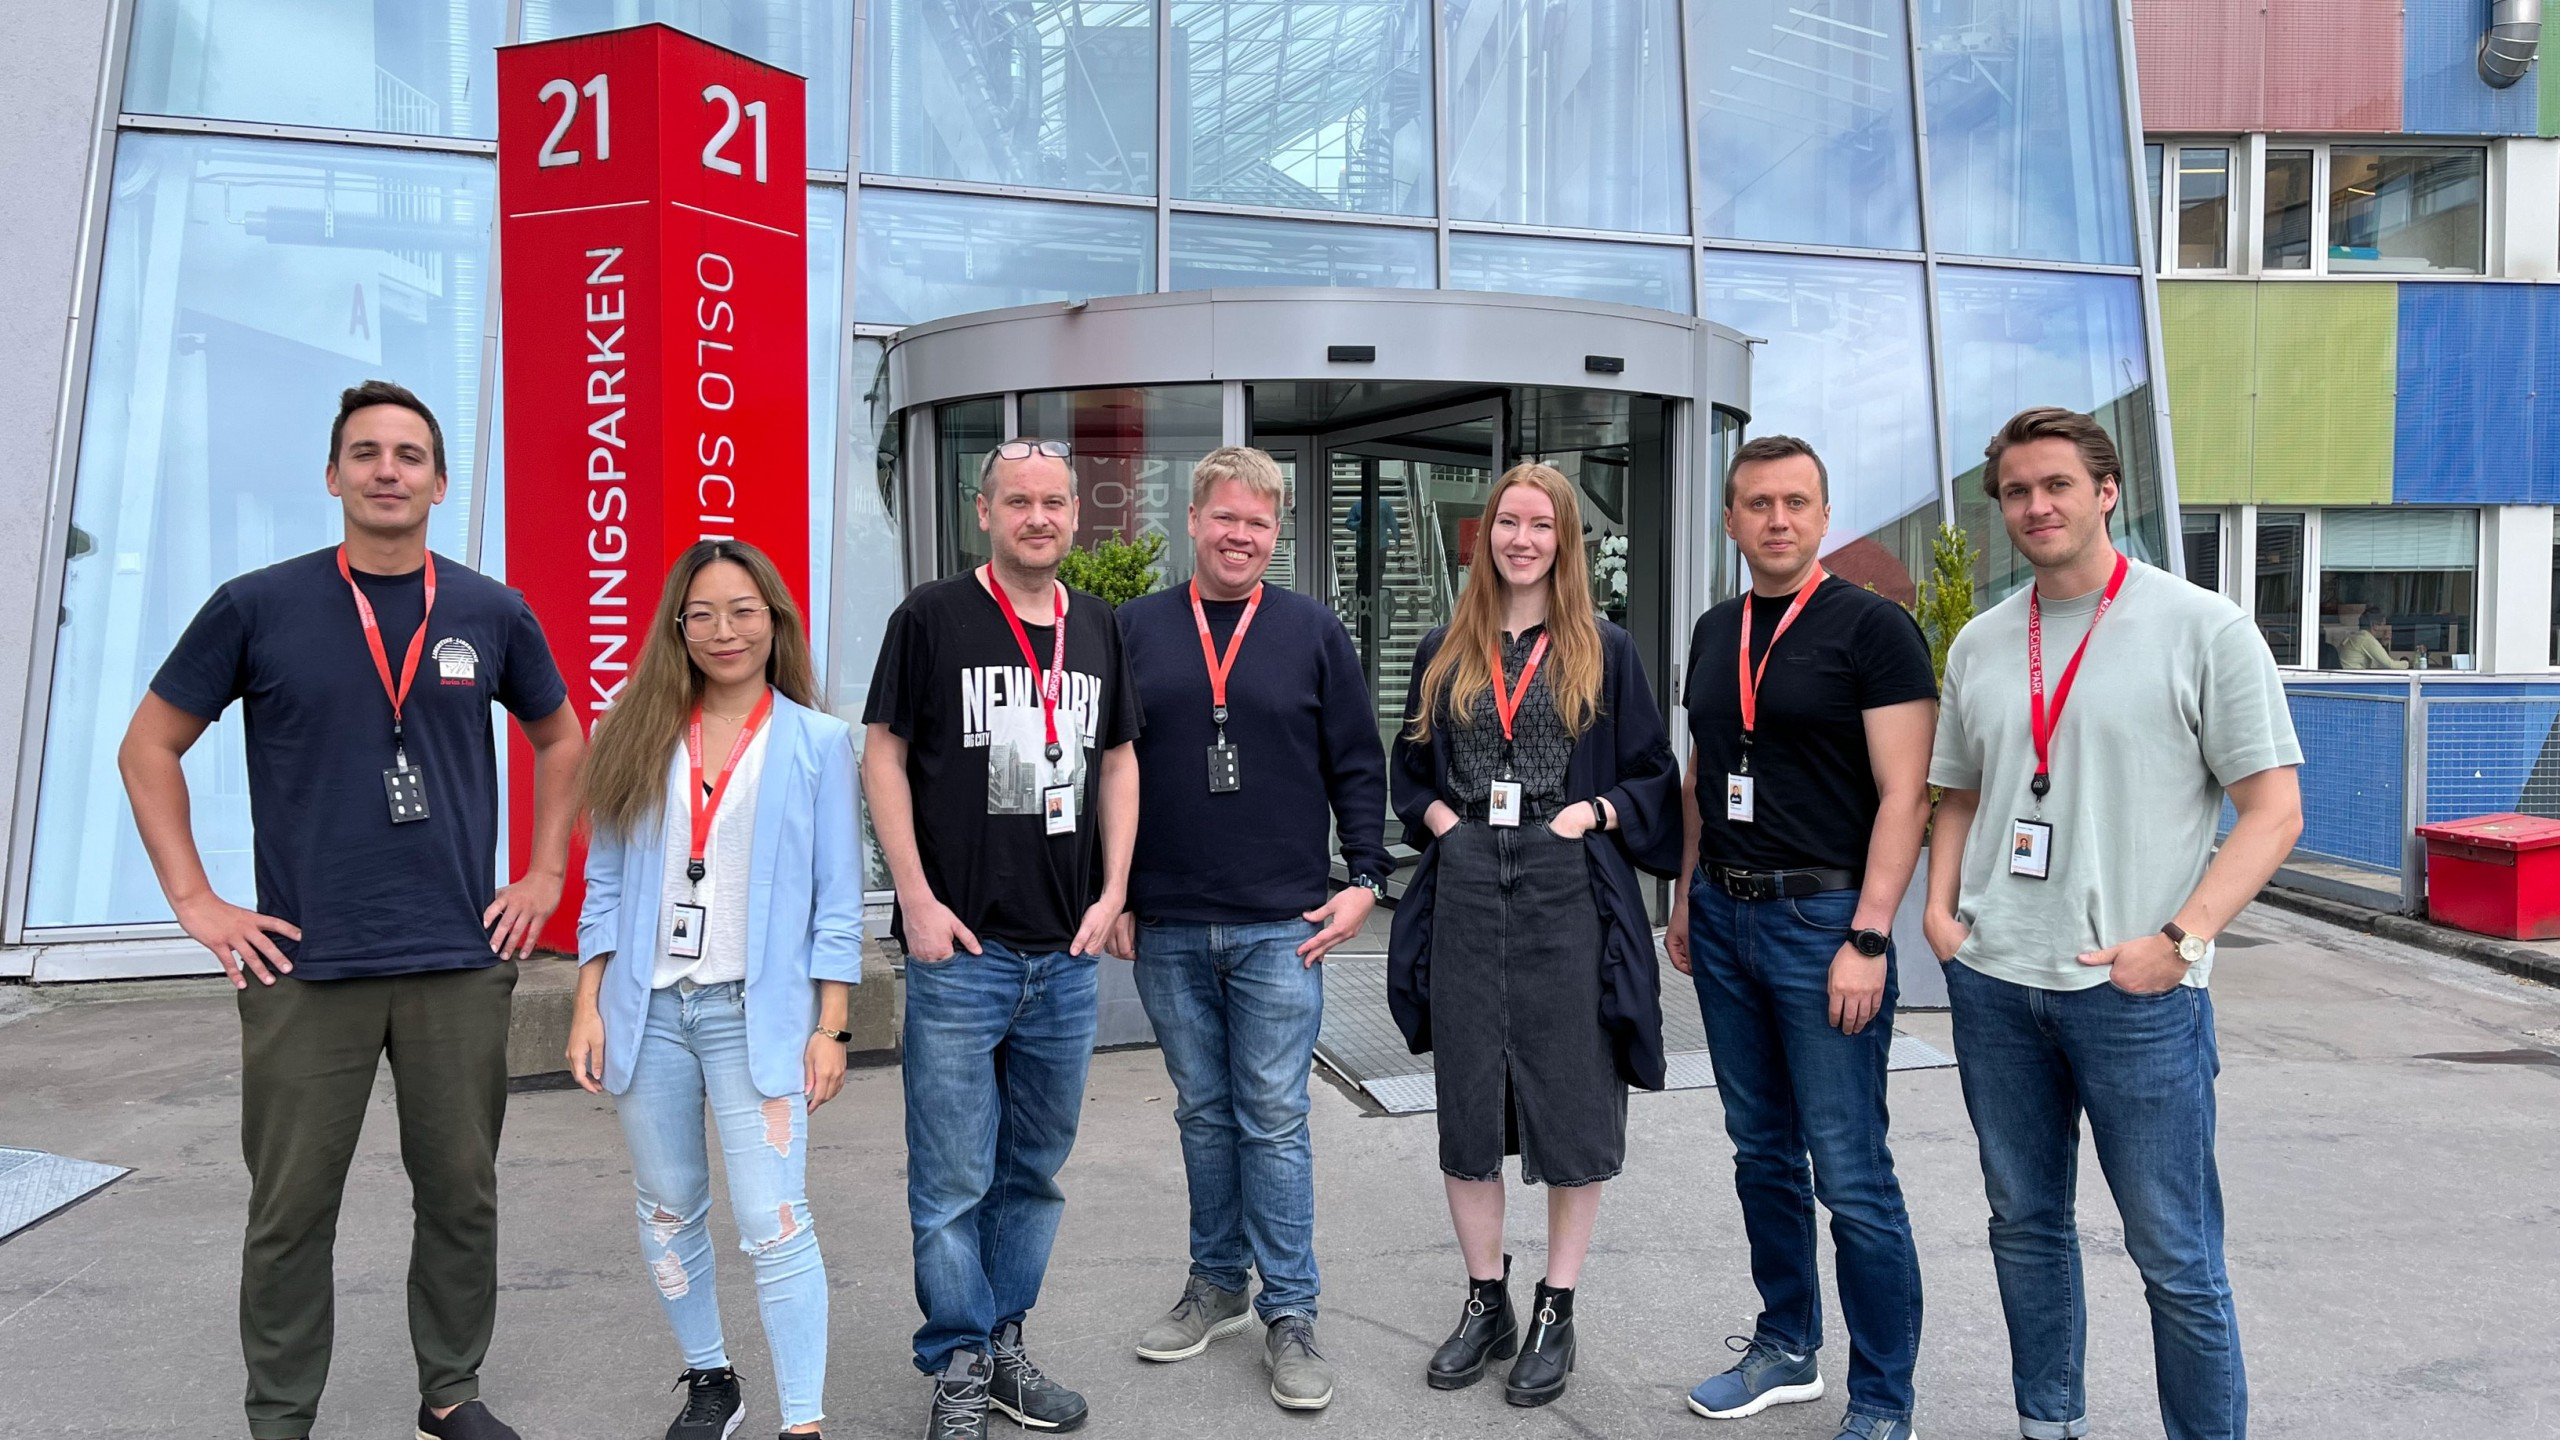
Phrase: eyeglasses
pixel 745 621
pixel 1025 449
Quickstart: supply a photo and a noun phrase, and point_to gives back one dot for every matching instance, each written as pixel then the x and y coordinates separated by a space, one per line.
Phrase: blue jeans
pixel 1795 1087
pixel 1237 1013
pixel 694 1049
pixel 997 1046
pixel 2142 1067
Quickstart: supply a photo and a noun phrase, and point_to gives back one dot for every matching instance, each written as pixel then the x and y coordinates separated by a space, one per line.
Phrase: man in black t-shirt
pixel 1811 711
pixel 368 671
pixel 1001 771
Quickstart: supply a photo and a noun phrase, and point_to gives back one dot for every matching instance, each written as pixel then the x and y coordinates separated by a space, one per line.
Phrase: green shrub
pixel 1946 596
pixel 1117 570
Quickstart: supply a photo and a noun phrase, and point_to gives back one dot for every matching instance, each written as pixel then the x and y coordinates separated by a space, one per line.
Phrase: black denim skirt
pixel 1523 1064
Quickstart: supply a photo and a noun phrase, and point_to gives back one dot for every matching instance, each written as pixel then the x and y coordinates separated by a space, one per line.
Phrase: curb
pixel 2500 955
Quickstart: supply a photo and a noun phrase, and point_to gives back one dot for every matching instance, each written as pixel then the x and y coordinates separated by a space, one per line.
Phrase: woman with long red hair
pixel 1535 774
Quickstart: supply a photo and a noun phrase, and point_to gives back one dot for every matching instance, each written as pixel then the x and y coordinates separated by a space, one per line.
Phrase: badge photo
pixel 1503 806
pixel 2031 849
pixel 1058 809
pixel 1738 798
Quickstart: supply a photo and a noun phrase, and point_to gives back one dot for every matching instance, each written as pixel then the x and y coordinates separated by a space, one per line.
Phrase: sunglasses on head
pixel 1025 449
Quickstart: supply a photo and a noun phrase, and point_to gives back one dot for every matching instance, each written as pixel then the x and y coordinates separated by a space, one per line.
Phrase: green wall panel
pixel 2546 73
pixel 2209 330
pixel 2327 357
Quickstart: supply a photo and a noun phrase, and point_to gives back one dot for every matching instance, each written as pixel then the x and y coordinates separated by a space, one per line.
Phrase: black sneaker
pixel 712 1407
pixel 1032 1400
pixel 960 1399
pixel 470 1420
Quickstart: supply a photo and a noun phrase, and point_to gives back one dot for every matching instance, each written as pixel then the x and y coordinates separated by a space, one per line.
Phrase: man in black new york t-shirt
pixel 1811 709
pixel 1003 782
pixel 367 672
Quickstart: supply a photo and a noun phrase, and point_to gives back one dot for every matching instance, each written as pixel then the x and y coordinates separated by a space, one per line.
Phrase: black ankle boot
pixel 1548 1357
pixel 1486 1331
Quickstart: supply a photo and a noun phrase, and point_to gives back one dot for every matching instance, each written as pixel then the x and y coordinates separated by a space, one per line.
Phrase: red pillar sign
pixel 655 325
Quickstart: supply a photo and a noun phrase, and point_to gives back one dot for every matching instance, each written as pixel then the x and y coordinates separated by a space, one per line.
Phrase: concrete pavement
pixel 2395 1239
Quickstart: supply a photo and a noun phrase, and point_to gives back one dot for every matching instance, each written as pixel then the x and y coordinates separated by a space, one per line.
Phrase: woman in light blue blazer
pixel 718 947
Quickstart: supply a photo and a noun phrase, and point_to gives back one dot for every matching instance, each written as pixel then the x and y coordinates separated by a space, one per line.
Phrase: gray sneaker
pixel 1204 1313
pixel 1300 1378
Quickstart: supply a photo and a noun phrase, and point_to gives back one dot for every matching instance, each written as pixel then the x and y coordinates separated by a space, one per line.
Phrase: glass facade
pixel 1685 155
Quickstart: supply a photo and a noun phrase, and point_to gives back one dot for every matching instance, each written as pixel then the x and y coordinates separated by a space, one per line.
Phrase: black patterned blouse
pixel 1540 748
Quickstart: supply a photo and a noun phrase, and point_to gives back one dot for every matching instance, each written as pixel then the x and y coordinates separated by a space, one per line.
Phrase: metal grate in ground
pixel 34 1185
pixel 1360 1041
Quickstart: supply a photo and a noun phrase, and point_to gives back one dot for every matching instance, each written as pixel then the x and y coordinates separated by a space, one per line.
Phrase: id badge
pixel 684 931
pixel 1058 808
pixel 1224 775
pixel 1737 798
pixel 407 788
pixel 1503 807
pixel 2031 849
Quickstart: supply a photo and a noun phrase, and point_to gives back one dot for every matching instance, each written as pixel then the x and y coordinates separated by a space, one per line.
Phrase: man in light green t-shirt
pixel 2092 725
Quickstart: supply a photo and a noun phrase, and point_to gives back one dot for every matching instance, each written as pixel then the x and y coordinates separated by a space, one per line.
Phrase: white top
pixel 726 862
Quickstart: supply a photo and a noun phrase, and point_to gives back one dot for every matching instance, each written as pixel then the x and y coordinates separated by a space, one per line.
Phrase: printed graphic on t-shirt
pixel 1000 712
pixel 456 662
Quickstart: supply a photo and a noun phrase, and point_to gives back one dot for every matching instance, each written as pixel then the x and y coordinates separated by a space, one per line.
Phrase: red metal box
pixel 2495 874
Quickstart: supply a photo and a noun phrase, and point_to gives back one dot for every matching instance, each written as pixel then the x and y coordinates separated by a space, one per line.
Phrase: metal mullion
pixel 2253 217
pixel 1010 192
pixel 492 356
pixel 1689 169
pixel 2155 357
pixel 326 135
pixel 1320 217
pixel 1778 247
pixel 1940 411
pixel 70 412
pixel 1569 232
pixel 1164 146
pixel 847 336
pixel 2064 267
pixel 1440 121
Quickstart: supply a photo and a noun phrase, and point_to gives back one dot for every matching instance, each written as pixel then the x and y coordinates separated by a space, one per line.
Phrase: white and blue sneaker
pixel 1765 1376
pixel 1855 1426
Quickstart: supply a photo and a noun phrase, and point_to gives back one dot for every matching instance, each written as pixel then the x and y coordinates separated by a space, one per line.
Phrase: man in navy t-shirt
pixel 367 671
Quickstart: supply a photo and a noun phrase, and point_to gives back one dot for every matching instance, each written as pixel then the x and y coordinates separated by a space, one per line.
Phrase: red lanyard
pixel 705 807
pixel 399 694
pixel 1507 706
pixel 1750 678
pixel 2043 720
pixel 1221 666
pixel 1051 680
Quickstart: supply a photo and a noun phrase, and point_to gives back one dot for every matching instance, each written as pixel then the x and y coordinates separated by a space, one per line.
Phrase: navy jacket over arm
pixel 1624 758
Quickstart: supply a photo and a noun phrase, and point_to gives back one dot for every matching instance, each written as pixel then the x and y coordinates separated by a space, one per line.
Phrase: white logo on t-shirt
pixel 456 662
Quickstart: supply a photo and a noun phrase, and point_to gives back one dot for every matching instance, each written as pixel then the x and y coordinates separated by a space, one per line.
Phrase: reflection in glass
pixel 1214 250
pixel 2027 155
pixel 2403 576
pixel 2406 212
pixel 1566 112
pixel 810 38
pixel 2204 208
pixel 963 434
pixel 1060 93
pixel 245 284
pixel 826 308
pixel 1134 451
pixel 1304 104
pixel 2201 531
pixel 1845 366
pixel 868 558
pixel 1654 276
pixel 413 67
pixel 1804 122
pixel 2278 604
pixel 923 255
pixel 2020 338
pixel 2288 210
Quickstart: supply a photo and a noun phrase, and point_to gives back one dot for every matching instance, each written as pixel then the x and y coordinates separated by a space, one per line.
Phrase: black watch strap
pixel 1871 943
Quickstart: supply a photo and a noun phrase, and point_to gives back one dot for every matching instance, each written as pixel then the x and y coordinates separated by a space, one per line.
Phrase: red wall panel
pixel 2203 64
pixel 2334 65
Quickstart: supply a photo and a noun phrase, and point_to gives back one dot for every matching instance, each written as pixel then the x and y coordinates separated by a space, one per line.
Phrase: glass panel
pixel 245 284
pixel 923 255
pixel 415 67
pixel 1845 365
pixel 1804 122
pixel 1134 453
pixel 964 433
pixel 2202 532
pixel 2406 212
pixel 2397 593
pixel 2204 208
pixel 2027 155
pixel 1566 112
pixel 2152 157
pixel 1655 276
pixel 2279 598
pixel 1036 92
pixel 2399 539
pixel 1612 447
pixel 869 559
pixel 2287 241
pixel 2019 338
pixel 810 38
pixel 1214 250
pixel 826 309
pixel 1308 104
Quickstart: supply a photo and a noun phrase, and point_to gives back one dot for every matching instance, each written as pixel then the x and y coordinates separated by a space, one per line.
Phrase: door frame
pixel 1315 499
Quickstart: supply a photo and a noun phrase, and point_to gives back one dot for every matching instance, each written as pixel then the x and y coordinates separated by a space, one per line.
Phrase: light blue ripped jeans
pixel 695 1049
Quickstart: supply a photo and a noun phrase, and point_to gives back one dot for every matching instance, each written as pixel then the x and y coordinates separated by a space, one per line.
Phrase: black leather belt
pixel 1778 884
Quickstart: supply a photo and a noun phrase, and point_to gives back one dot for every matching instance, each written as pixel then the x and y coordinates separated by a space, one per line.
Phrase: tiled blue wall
pixel 2477 413
pixel 2444 94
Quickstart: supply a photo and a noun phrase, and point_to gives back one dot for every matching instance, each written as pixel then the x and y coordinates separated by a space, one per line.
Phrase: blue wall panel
pixel 2467 421
pixel 2352 776
pixel 2444 94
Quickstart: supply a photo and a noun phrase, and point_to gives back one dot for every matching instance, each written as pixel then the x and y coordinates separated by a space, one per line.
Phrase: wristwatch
pixel 2191 948
pixel 1377 888
pixel 1871 943
pixel 841 1037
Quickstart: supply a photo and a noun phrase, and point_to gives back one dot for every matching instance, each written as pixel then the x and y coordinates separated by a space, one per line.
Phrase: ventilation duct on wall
pixel 2507 47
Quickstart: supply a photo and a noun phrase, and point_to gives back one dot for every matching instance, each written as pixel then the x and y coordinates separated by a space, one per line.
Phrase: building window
pixel 1046 93
pixel 2204 207
pixel 2278 603
pixel 2404 211
pixel 1566 115
pixel 2286 241
pixel 2397 587
pixel 2201 532
pixel 2385 210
